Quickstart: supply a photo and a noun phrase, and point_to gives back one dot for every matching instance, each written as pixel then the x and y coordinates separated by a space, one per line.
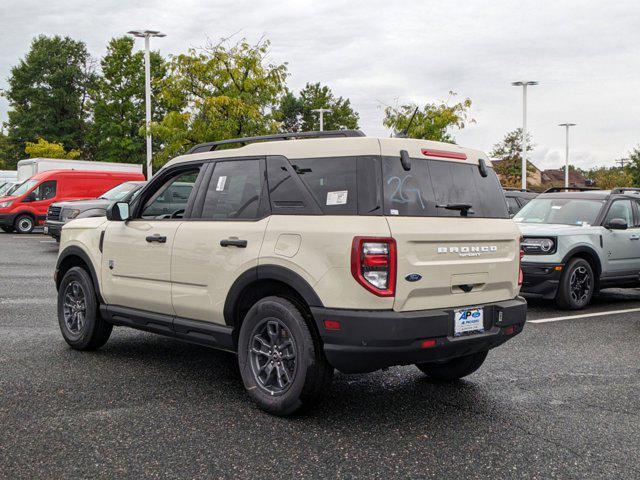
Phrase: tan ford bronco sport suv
pixel 305 253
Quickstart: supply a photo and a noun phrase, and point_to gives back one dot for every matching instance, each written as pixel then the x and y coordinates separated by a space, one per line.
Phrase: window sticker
pixel 337 198
pixel 393 211
pixel 221 183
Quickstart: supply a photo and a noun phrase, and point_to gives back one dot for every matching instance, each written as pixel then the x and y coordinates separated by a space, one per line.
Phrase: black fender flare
pixel 75 251
pixel 589 251
pixel 268 272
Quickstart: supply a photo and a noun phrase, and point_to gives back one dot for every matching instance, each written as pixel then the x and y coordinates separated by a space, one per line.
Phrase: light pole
pixel 321 111
pixel 566 151
pixel 524 84
pixel 146 34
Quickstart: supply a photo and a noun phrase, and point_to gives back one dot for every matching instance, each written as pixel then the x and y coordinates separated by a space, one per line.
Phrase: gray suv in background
pixel 577 241
pixel 60 213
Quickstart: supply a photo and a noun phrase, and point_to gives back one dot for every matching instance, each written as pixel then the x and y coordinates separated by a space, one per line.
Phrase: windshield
pixel 23 188
pixel 563 211
pixel 119 192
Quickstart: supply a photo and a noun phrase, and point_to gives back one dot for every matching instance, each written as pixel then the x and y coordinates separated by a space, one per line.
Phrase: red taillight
pixel 429 343
pixel 520 273
pixel 373 264
pixel 332 325
pixel 509 330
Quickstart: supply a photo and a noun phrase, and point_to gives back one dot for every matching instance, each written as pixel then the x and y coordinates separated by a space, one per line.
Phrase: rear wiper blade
pixel 463 208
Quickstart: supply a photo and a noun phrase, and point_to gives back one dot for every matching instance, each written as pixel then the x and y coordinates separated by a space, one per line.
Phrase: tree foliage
pixel 47 93
pixel 434 121
pixel 117 100
pixel 610 177
pixel 508 152
pixel 217 92
pixel 45 149
pixel 634 166
pixel 296 113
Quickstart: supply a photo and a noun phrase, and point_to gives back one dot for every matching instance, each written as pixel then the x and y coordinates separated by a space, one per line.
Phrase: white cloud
pixel 584 54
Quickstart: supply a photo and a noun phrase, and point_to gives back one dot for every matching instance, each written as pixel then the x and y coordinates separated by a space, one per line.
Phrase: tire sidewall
pixel 565 285
pixel 22 218
pixel 290 400
pixel 81 276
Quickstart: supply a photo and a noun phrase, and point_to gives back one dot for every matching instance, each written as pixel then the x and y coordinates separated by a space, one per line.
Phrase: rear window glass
pixel 432 184
pixel 332 182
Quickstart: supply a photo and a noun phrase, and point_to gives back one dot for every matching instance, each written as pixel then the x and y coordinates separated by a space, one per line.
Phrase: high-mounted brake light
pixel 373 264
pixel 431 152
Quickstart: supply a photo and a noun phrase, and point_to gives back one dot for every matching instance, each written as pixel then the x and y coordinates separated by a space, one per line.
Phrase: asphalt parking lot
pixel 558 401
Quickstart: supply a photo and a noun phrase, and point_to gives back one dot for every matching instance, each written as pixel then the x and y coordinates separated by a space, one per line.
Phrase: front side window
pixel 436 188
pixel 45 191
pixel 171 198
pixel 620 209
pixel 234 191
pixel 564 211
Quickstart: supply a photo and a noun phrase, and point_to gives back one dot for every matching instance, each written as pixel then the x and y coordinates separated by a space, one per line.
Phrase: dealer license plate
pixel 468 320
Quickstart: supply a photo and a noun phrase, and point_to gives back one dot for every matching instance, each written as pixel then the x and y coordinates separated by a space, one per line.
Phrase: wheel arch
pixel 590 255
pixel 74 256
pixel 263 281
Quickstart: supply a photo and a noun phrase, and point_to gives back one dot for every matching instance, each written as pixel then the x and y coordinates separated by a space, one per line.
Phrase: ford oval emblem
pixel 413 277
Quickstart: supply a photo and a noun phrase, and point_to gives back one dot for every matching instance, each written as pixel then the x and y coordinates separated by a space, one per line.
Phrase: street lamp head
pixel 523 83
pixel 146 33
pixel 321 110
pixel 567 124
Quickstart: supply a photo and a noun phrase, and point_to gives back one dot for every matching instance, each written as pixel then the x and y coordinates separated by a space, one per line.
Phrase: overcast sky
pixel 585 54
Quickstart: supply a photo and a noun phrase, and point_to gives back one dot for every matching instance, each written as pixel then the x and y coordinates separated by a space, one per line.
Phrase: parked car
pixel 333 250
pixel 27 205
pixel 517 198
pixel 8 175
pixel 29 167
pixel 60 213
pixel 577 241
pixel 6 186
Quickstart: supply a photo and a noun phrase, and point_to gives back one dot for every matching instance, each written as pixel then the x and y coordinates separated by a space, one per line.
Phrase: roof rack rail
pixel 211 146
pixel 568 189
pixel 514 189
pixel 624 189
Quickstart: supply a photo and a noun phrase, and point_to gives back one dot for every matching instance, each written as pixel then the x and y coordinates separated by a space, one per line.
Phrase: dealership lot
pixel 560 400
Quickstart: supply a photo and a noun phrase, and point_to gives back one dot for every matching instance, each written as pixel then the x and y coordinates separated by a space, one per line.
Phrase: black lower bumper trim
pixel 7 219
pixel 53 228
pixel 541 279
pixel 370 340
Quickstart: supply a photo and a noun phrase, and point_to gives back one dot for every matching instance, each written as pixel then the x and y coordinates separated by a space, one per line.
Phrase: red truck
pixel 27 206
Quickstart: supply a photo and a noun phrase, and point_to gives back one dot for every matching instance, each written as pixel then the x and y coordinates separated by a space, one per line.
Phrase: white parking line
pixel 584 315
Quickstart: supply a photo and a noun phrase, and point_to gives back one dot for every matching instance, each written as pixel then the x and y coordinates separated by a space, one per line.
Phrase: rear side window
pixel 433 183
pixel 332 182
pixel 234 191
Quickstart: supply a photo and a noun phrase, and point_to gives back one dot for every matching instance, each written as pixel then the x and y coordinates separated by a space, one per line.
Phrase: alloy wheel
pixel 580 284
pixel 273 351
pixel 25 224
pixel 75 307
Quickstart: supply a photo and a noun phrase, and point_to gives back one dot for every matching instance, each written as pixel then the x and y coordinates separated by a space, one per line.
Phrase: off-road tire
pixel 568 298
pixel 94 332
pixel 453 369
pixel 24 223
pixel 310 375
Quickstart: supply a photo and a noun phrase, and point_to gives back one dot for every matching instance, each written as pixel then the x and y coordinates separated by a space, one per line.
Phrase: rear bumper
pixel 7 219
pixel 369 340
pixel 541 279
pixel 53 228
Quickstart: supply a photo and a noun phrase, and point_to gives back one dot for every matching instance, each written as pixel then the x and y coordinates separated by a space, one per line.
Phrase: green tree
pixel 508 152
pixel 296 113
pixel 118 103
pixel 44 149
pixel 7 157
pixel 217 92
pixel 434 121
pixel 634 166
pixel 47 93
pixel 610 177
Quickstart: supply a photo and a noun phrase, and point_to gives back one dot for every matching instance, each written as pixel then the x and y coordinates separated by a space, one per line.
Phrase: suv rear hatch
pixel 455 243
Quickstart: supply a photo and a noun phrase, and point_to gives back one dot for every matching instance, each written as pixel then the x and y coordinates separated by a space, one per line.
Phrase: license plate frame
pixel 468 321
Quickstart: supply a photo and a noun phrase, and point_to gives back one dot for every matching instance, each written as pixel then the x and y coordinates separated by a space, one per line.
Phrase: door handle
pixel 156 238
pixel 233 242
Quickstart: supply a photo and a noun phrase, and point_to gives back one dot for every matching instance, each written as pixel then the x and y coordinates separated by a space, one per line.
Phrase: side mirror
pixel 118 212
pixel 616 224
